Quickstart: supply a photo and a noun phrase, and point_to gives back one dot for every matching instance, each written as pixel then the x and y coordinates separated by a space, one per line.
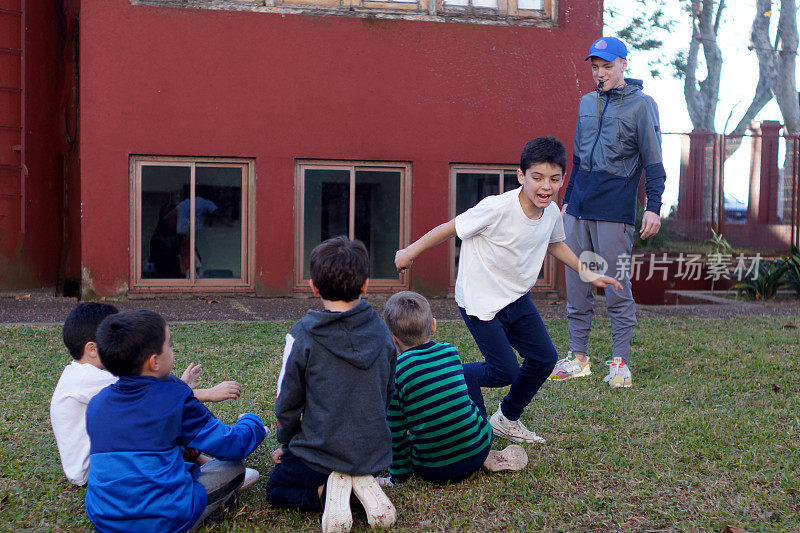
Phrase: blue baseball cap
pixel 608 48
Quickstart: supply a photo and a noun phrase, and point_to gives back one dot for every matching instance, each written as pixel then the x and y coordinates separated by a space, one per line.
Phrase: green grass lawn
pixel 707 437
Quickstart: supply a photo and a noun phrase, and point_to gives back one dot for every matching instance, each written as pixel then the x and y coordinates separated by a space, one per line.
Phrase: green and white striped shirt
pixel 433 421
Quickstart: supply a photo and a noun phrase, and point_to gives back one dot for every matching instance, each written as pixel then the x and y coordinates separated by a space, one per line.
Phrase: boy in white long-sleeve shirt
pixel 85 376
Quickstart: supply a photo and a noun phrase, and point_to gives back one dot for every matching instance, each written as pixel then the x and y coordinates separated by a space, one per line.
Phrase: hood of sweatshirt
pixel 357 345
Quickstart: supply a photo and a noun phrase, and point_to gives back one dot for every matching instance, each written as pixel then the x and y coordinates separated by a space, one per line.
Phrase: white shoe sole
pixel 582 374
pixel 337 517
pixel 379 509
pixel 511 458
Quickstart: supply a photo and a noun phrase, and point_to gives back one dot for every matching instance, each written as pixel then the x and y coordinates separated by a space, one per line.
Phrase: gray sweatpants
pixel 610 240
pixel 221 479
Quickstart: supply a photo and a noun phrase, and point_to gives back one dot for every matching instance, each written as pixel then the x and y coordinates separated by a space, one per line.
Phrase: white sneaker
pixel 251 475
pixel 337 517
pixel 511 458
pixel 379 509
pixel 619 374
pixel 513 430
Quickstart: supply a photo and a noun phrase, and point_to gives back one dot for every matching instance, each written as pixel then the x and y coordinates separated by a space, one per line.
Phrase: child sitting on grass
pixel 438 423
pixel 138 427
pixel 334 388
pixel 82 379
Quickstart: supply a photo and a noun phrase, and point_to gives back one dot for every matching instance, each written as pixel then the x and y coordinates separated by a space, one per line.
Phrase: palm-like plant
pixel 764 284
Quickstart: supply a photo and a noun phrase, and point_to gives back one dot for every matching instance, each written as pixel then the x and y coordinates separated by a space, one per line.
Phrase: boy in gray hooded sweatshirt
pixel 334 388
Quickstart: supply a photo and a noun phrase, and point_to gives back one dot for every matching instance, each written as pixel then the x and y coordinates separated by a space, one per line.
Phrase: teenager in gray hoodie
pixel 334 388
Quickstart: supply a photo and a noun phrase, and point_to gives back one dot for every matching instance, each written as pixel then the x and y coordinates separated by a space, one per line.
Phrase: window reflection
pixel 167 226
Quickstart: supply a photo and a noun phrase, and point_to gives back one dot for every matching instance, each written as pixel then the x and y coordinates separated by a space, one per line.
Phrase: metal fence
pixel 743 187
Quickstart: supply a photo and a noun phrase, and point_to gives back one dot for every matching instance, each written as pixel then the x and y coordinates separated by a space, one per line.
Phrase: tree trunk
pixel 778 63
pixel 702 97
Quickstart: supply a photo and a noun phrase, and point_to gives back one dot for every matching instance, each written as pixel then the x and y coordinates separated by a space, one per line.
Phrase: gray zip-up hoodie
pixel 616 137
pixel 334 390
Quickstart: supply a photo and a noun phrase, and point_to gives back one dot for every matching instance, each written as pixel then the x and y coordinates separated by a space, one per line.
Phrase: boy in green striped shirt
pixel 438 422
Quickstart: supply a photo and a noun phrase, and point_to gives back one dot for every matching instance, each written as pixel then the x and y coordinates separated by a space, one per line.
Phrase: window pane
pixel 471 188
pixel 162 242
pixel 218 222
pixel 530 4
pixel 510 181
pixel 456 2
pixel 326 208
pixel 377 219
pixel 485 3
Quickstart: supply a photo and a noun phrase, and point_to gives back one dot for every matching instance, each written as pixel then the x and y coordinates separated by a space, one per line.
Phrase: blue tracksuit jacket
pixel 138 480
pixel 617 135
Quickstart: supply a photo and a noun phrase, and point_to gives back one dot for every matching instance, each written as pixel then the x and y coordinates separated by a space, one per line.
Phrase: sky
pixel 739 78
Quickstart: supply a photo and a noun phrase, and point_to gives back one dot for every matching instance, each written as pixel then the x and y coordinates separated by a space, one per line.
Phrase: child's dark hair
pixel 339 268
pixel 543 150
pixel 127 339
pixel 81 324
pixel 409 318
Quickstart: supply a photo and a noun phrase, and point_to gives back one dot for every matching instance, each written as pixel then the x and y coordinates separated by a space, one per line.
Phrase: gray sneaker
pixel 513 430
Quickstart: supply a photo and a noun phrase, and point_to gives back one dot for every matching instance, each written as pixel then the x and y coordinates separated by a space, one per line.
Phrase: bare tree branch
pixel 761 98
pixel 719 16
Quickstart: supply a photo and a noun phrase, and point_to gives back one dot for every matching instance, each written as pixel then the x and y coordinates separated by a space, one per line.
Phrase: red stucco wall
pixel 31 259
pixel 178 81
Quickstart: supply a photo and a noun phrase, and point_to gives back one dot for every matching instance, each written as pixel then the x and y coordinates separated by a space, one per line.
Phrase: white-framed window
pixel 368 201
pixel 469 184
pixel 192 223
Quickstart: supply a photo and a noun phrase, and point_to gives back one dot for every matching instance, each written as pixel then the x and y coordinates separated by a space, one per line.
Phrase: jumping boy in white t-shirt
pixel 504 241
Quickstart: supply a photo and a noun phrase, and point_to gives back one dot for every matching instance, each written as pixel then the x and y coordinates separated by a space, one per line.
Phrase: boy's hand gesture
pixel 227 390
pixel 604 281
pixel 191 375
pixel 276 455
pixel 403 260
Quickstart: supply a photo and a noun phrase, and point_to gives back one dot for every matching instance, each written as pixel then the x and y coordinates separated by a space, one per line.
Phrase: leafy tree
pixel 643 25
pixel 643 22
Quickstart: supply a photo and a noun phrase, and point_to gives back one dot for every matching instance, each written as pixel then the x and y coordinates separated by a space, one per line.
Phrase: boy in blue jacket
pixel 139 426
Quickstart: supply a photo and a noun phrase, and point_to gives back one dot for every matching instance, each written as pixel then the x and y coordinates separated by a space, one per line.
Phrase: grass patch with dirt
pixel 707 437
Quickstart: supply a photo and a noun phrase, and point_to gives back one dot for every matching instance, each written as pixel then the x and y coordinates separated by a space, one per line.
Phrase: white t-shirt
pixel 502 252
pixel 79 383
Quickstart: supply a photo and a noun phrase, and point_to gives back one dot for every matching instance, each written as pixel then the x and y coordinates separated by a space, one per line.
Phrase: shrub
pixel 764 284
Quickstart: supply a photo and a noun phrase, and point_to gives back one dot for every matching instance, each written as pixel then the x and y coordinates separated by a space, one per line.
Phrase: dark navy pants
pixel 456 472
pixel 518 326
pixel 293 485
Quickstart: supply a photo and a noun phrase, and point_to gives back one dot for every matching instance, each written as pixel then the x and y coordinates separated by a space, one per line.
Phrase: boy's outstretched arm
pixel 226 390
pixel 404 258
pixel 562 252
